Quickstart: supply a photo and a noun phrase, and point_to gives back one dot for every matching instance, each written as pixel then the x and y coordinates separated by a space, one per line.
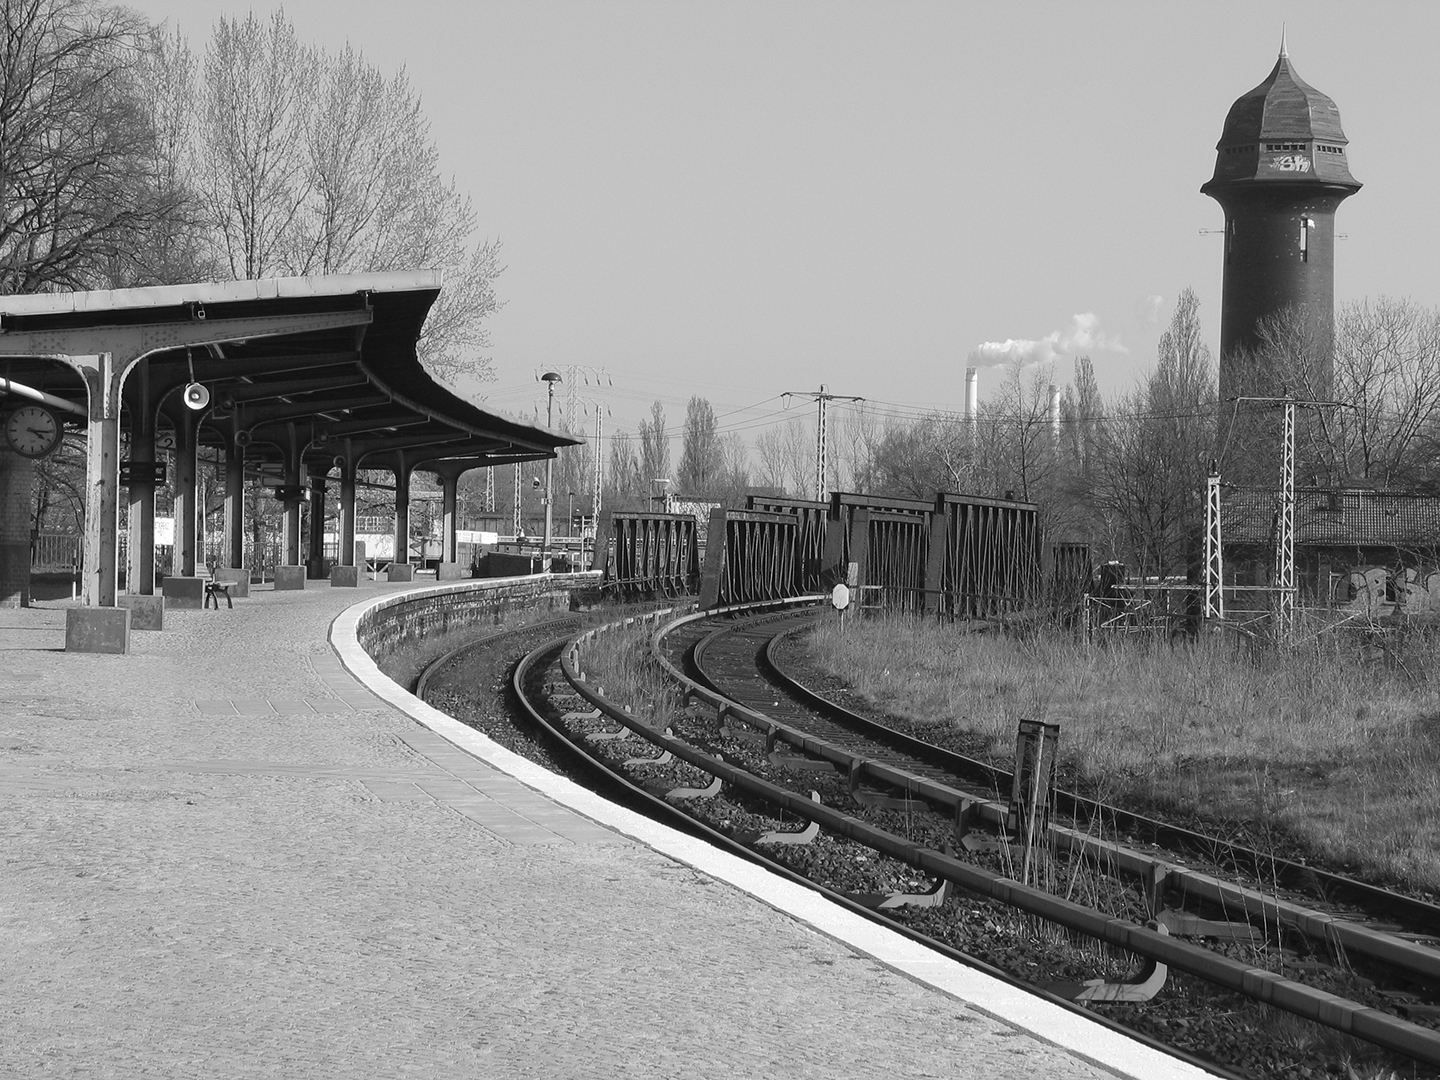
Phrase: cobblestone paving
pixel 307 884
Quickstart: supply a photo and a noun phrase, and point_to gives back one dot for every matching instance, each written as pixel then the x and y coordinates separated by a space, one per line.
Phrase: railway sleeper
pixel 1183 924
pixel 884 901
pixel 664 759
pixel 877 799
pixel 708 792
pixel 804 836
pixel 1141 988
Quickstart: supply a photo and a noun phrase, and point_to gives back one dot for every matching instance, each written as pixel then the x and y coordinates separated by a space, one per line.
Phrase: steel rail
pixel 422 683
pixel 1332 1011
pixel 1419 912
pixel 677 817
pixel 1408 956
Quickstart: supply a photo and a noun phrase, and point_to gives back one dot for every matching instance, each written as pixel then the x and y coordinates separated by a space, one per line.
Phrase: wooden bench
pixel 216 589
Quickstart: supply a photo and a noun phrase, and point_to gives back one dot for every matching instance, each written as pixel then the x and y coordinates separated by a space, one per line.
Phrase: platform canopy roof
pixel 324 365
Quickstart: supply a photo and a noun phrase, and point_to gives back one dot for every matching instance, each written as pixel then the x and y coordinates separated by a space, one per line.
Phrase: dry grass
pixel 1326 745
pixel 618 665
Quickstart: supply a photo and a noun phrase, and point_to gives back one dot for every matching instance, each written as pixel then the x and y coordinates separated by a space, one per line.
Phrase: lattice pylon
pixel 822 443
pixel 517 523
pixel 1214 607
pixel 1285 534
pixel 599 478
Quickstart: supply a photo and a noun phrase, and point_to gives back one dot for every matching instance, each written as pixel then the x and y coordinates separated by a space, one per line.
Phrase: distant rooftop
pixel 1335 518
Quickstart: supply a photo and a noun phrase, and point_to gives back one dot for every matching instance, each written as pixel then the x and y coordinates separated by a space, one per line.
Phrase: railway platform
pixel 237 851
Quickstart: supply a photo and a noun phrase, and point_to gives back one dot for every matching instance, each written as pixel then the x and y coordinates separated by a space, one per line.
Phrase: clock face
pixel 33 430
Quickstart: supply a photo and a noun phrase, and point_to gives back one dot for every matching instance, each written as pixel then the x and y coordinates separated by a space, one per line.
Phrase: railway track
pixel 739 764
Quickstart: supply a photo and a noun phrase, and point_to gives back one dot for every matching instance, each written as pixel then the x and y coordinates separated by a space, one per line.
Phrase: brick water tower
pixel 1280 174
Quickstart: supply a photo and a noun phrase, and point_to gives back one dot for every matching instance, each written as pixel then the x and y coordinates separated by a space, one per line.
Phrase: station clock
pixel 33 431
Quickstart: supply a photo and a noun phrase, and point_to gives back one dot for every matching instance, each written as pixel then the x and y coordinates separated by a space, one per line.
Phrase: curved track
pixel 884 768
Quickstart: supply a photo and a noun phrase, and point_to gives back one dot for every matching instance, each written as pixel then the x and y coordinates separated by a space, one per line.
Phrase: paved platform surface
pixel 222 856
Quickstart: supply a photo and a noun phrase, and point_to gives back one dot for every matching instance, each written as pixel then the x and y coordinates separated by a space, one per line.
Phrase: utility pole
pixel 1285 534
pixel 490 491
pixel 822 398
pixel 515 530
pixel 549 379
pixel 1284 604
pixel 1214 606
pixel 599 466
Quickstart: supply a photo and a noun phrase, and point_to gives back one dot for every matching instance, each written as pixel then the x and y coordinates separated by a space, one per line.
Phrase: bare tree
pixel 318 164
pixel 701 456
pixel 1155 449
pixel 77 180
pixel 787 457
pixel 654 447
pixel 258 98
pixel 622 479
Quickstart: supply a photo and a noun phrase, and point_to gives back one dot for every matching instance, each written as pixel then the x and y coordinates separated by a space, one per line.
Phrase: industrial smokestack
pixel 972 393
pixel 1054 412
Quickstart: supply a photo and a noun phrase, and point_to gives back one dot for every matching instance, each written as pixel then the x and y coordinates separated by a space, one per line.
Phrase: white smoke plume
pixel 1084 336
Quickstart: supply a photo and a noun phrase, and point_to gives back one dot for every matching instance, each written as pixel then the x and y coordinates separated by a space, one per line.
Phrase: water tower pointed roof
pixel 1284 115
pixel 1284 106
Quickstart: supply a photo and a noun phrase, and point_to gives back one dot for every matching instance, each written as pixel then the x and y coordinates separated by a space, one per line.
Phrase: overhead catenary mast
pixel 822 398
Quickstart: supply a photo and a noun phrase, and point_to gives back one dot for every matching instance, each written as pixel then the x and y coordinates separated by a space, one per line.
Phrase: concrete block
pixel 146 612
pixel 289 577
pixel 183 593
pixel 239 578
pixel 347 577
pixel 452 571
pixel 399 571
pixel 503 564
pixel 97 629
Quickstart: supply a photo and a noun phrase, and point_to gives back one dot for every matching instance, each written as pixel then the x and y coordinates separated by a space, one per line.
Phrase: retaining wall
pixel 407 617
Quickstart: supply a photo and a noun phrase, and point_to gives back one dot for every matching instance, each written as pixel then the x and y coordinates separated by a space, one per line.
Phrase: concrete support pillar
pixel 187 510
pixel 140 570
pixel 347 511
pixel 102 470
pixel 292 503
pixel 449 482
pixel 234 504
pixel 402 509
pixel 315 561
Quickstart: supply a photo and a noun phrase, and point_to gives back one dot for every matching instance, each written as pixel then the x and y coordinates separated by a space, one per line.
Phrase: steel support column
pixel 102 471
pixel 234 503
pixel 187 447
pixel 402 509
pixel 347 508
pixel 140 568
pixel 292 503
pixel 449 483
pixel 315 563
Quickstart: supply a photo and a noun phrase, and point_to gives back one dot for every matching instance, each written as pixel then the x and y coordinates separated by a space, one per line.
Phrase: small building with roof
pixel 1372 551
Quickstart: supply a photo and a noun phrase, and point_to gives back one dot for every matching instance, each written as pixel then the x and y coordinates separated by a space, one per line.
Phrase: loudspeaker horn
pixel 196 396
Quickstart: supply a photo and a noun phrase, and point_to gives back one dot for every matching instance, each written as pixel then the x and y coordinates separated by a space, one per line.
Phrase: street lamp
pixel 550 378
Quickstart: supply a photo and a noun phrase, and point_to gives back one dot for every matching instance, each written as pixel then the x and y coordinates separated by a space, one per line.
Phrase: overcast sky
pixel 743 198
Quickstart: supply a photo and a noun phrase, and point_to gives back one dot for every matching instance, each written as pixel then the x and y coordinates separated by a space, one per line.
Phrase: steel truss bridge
pixel 955 556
